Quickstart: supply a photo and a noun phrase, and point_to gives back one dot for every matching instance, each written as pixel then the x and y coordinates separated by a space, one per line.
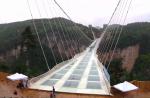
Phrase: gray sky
pixel 95 12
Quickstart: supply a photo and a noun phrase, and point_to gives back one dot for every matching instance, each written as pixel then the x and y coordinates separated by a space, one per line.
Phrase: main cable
pixel 71 20
pixel 63 35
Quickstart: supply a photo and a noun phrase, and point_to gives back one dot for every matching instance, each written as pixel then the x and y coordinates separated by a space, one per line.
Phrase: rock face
pixel 128 55
pixel 10 55
pixel 68 50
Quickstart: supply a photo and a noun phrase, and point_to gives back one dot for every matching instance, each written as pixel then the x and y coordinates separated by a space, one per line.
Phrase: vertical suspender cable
pixel 61 40
pixel 37 33
pixel 53 32
pixel 123 7
pixel 105 30
pixel 119 34
pixel 63 35
pixel 45 30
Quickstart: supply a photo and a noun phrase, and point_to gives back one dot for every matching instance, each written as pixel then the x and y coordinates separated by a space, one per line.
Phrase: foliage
pixel 12 31
pixel 28 40
pixel 136 33
pixel 31 61
pixel 117 73
pixel 4 67
pixel 141 70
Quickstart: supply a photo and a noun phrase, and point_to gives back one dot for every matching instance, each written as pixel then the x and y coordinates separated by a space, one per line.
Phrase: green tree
pixel 28 40
pixel 28 43
pixel 141 70
pixel 4 67
pixel 116 71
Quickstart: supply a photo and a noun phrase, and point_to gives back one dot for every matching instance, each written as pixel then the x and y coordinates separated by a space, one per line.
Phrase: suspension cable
pixel 45 30
pixel 71 20
pixel 58 32
pixel 37 33
pixel 115 31
pixel 75 34
pixel 71 31
pixel 120 33
pixel 52 30
pixel 104 32
pixel 63 30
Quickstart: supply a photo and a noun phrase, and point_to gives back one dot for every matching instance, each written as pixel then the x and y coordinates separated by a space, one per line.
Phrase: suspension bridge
pixel 84 73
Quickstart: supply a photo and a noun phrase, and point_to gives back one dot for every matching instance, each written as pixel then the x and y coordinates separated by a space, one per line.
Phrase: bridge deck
pixel 83 74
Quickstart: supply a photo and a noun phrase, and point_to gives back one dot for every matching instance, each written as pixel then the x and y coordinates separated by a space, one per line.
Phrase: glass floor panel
pixel 94 68
pixel 49 82
pixel 93 85
pixel 74 77
pixel 80 67
pixel 93 78
pixel 56 76
pixel 78 72
pixel 73 84
pixel 63 71
pixel 93 73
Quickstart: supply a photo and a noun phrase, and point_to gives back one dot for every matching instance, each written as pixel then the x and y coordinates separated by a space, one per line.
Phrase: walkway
pixel 83 74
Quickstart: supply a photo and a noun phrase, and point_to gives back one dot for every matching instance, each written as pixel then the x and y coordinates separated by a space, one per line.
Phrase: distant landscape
pixel 14 57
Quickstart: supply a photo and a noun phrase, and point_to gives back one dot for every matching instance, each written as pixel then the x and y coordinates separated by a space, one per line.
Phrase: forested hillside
pixel 22 38
pixel 133 34
pixel 10 33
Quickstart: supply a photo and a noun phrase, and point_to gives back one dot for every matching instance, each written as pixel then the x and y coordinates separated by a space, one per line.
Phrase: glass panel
pixel 63 71
pixel 93 78
pixel 93 85
pixel 49 82
pixel 57 76
pixel 93 64
pixel 93 73
pixel 78 72
pixel 81 67
pixel 82 64
pixel 87 56
pixel 94 68
pixel 73 84
pixel 75 77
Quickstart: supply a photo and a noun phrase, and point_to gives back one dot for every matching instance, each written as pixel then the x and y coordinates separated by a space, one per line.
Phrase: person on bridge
pixel 52 94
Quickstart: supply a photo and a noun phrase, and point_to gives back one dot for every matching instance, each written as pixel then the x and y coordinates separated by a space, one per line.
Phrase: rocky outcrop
pixel 10 55
pixel 128 55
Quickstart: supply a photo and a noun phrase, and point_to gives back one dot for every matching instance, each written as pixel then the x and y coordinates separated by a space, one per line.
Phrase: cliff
pixel 128 56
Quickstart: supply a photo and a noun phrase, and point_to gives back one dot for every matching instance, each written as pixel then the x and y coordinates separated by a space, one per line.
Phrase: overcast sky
pixel 95 12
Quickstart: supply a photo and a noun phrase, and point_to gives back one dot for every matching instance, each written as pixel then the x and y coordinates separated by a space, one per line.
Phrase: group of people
pixel 23 84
